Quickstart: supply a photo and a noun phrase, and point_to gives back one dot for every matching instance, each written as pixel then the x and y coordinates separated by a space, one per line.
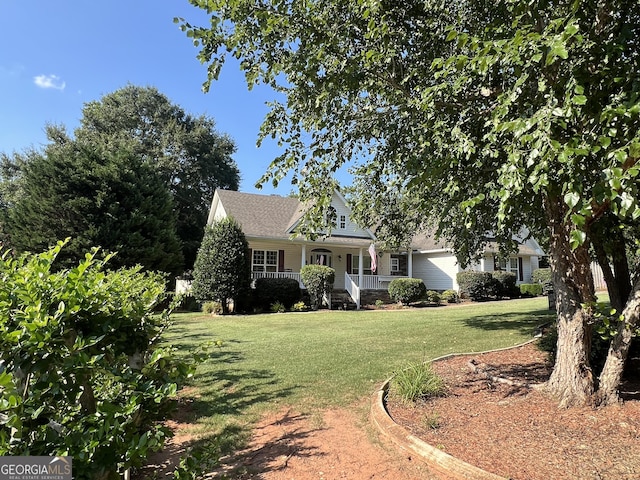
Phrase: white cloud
pixel 49 81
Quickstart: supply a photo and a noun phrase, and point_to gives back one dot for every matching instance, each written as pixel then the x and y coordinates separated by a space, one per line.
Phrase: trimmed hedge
pixel 269 291
pixel 406 290
pixel 531 289
pixel 477 286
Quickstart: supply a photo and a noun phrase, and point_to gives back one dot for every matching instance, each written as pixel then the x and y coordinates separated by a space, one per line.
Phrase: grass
pixel 309 361
pixel 416 381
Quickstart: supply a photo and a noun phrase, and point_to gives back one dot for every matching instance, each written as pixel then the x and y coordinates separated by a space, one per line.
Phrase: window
pixel 343 222
pixel 509 265
pixel 264 261
pixel 321 256
pixel 366 265
pixel 395 264
pixel 398 264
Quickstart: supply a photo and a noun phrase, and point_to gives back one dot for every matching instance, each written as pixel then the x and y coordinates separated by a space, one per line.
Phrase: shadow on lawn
pixel 524 323
pixel 221 391
pixel 226 390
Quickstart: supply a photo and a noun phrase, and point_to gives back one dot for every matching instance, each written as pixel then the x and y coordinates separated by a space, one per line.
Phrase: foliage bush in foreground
pixel 416 382
pixel 81 369
pixel 407 290
pixel 318 280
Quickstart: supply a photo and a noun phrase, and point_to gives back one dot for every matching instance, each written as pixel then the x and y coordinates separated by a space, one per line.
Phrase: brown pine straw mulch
pixel 520 433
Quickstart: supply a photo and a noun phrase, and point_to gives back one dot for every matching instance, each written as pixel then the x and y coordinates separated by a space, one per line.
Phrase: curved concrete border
pixel 435 458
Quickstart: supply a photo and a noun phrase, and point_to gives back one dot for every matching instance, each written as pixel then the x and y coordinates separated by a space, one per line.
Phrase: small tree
pixel 222 271
pixel 318 279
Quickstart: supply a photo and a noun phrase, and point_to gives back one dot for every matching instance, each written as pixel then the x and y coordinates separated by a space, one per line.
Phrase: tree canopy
pixel 188 153
pixel 478 118
pixel 97 198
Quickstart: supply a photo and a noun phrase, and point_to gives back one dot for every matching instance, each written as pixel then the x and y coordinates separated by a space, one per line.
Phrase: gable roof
pixel 269 216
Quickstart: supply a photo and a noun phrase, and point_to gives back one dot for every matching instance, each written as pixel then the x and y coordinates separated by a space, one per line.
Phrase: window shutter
pixel 349 263
pixel 520 272
pixel 281 260
pixel 251 259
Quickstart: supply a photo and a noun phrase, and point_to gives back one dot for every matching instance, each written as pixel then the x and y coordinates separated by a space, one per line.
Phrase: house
pixel 269 223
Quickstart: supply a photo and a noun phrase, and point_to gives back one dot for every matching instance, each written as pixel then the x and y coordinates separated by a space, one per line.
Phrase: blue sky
pixel 55 56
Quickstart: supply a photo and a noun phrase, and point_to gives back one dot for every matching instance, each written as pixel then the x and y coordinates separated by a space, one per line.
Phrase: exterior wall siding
pixel 437 270
pixel 351 229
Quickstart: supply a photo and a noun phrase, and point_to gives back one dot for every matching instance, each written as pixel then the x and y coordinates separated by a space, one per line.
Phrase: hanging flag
pixel 372 252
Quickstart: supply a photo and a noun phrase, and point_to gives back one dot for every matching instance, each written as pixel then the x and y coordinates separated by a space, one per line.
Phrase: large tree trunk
pixel 611 251
pixel 611 375
pixel 571 381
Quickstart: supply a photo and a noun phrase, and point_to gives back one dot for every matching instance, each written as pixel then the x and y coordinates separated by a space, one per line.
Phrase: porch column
pixel 360 268
pixel 303 260
pixel 410 263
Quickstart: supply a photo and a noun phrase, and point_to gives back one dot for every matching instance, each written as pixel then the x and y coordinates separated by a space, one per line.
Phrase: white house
pixel 269 224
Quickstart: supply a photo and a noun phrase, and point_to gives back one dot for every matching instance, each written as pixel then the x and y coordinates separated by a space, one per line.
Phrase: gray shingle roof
pixel 268 216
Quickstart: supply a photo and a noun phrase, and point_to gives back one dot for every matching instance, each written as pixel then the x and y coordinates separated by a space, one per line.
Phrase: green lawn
pixel 330 358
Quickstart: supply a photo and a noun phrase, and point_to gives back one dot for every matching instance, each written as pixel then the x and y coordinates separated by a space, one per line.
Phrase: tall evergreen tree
pixel 191 157
pixel 222 270
pixel 114 200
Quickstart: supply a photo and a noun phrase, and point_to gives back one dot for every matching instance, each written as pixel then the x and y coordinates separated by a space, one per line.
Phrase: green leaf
pixel 572 199
pixel 579 100
pixel 578 237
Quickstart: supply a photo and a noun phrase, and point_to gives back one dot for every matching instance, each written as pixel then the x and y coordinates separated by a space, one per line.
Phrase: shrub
pixel 318 280
pixel 189 303
pixel 406 290
pixel 299 307
pixel 214 308
pixel 277 307
pixel 268 291
pixel 433 297
pixel 379 303
pixel 531 289
pixel 417 382
pixel 477 286
pixel 505 284
pixel 450 296
pixel 543 277
pixel 83 373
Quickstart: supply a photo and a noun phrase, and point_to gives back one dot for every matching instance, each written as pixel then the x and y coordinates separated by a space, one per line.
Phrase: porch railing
pixel 352 289
pixel 294 275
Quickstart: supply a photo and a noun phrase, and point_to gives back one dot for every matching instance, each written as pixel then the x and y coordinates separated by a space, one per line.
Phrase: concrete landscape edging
pixel 435 458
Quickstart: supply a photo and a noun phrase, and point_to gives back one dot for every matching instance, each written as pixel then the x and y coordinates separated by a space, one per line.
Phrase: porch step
pixel 341 300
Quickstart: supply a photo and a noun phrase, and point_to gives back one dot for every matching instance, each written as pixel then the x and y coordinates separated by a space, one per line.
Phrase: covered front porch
pixel 355 270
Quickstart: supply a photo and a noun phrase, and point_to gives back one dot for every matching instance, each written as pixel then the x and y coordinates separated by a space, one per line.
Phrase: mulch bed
pixel 519 433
